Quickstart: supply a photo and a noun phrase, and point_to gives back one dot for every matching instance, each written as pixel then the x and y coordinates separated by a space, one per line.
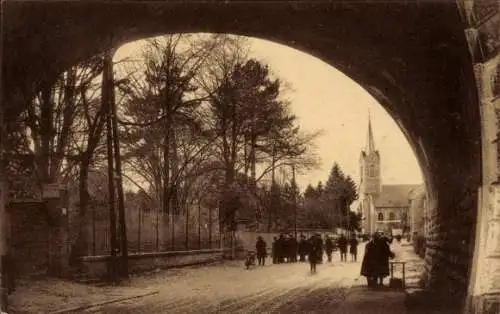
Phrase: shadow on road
pixel 323 300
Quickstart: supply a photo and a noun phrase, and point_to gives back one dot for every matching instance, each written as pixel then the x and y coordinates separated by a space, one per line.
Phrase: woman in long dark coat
pixel 316 249
pixel 261 248
pixel 353 248
pixel 375 266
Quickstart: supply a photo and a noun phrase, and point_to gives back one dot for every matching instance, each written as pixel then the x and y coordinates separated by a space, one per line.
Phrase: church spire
pixel 370 144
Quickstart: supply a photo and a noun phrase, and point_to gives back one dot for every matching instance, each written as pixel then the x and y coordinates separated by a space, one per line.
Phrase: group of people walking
pixel 317 246
pixel 285 249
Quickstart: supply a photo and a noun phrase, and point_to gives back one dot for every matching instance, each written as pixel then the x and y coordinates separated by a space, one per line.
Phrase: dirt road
pixel 229 288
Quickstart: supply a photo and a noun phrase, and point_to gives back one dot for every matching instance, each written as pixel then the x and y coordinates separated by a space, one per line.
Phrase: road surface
pixel 229 288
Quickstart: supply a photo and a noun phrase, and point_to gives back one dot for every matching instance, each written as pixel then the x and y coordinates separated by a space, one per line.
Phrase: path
pixel 284 288
pixel 230 288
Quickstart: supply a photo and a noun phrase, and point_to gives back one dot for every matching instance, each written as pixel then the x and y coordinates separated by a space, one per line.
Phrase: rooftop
pixel 395 195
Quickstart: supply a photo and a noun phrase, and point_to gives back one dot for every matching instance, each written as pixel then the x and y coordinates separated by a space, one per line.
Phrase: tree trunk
pixel 174 190
pixel 107 101
pixel 79 247
pixel 166 173
pixel 253 161
pixel 273 188
pixel 46 132
pixel 210 226
pixel 119 177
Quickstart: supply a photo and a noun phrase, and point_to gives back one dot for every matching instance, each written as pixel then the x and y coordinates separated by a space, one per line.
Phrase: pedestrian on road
pixel 353 248
pixel 280 249
pixel 293 249
pixel 261 248
pixel 287 248
pixel 343 248
pixel 328 248
pixel 302 249
pixel 316 250
pixel 375 266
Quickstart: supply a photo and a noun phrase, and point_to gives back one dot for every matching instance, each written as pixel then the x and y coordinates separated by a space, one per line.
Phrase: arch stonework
pixel 482 20
pixel 420 60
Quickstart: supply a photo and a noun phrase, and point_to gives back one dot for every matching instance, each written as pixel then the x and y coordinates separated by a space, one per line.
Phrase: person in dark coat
pixel 342 242
pixel 316 250
pixel 328 248
pixel 286 249
pixel 261 248
pixel 293 249
pixel 375 266
pixel 353 248
pixel 320 247
pixel 280 249
pixel 302 248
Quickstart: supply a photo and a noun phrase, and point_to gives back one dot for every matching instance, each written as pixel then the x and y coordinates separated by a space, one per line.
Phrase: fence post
pixel 172 234
pixel 186 212
pixel 93 230
pixel 139 224
pixel 199 226
pixel 157 229
pixel 210 227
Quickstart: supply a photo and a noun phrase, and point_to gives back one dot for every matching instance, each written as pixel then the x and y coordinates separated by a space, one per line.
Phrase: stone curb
pixel 88 306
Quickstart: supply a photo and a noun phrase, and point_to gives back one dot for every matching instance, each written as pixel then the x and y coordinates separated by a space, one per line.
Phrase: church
pixel 383 207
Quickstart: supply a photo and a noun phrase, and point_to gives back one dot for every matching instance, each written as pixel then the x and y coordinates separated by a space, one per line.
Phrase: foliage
pixel 327 206
pixel 199 123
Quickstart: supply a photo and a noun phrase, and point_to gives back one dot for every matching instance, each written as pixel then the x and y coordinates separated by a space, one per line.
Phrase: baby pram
pixel 394 282
pixel 250 259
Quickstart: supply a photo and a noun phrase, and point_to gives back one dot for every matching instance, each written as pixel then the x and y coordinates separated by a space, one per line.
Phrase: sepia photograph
pixel 250 156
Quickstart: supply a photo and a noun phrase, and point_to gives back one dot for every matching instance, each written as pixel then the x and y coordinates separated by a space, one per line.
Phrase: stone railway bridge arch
pixel 431 64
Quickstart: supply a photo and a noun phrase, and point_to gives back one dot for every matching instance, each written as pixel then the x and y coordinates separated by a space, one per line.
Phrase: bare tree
pixel 164 134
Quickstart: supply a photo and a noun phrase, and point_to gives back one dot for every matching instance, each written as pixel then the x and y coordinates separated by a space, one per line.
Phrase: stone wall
pixel 481 24
pixel 38 240
pixel 96 266
pixel 454 239
pixel 28 237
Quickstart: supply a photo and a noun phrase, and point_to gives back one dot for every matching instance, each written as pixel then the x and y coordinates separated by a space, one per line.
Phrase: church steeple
pixel 370 143
pixel 370 165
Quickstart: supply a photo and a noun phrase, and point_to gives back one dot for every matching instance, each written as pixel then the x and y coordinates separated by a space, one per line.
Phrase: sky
pixel 323 98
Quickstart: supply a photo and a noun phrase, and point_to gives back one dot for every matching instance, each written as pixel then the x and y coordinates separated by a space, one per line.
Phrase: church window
pixel 371 171
pixel 392 216
pixel 380 216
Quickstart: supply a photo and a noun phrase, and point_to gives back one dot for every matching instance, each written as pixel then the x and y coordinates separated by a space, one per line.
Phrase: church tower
pixel 370 166
pixel 370 183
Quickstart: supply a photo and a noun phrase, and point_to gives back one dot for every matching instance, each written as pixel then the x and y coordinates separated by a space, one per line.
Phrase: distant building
pixel 383 207
pixel 419 215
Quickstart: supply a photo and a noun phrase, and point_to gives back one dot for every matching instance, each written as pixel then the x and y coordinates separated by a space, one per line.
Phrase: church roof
pixel 395 195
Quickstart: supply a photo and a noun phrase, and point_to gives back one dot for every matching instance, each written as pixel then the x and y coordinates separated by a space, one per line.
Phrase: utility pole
pixel 106 90
pixel 118 163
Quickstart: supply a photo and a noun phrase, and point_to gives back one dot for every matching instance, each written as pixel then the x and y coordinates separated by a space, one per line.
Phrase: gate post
pixel 56 202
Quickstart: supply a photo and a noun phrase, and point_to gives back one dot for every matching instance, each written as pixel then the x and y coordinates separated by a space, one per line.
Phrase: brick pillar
pixel 56 202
